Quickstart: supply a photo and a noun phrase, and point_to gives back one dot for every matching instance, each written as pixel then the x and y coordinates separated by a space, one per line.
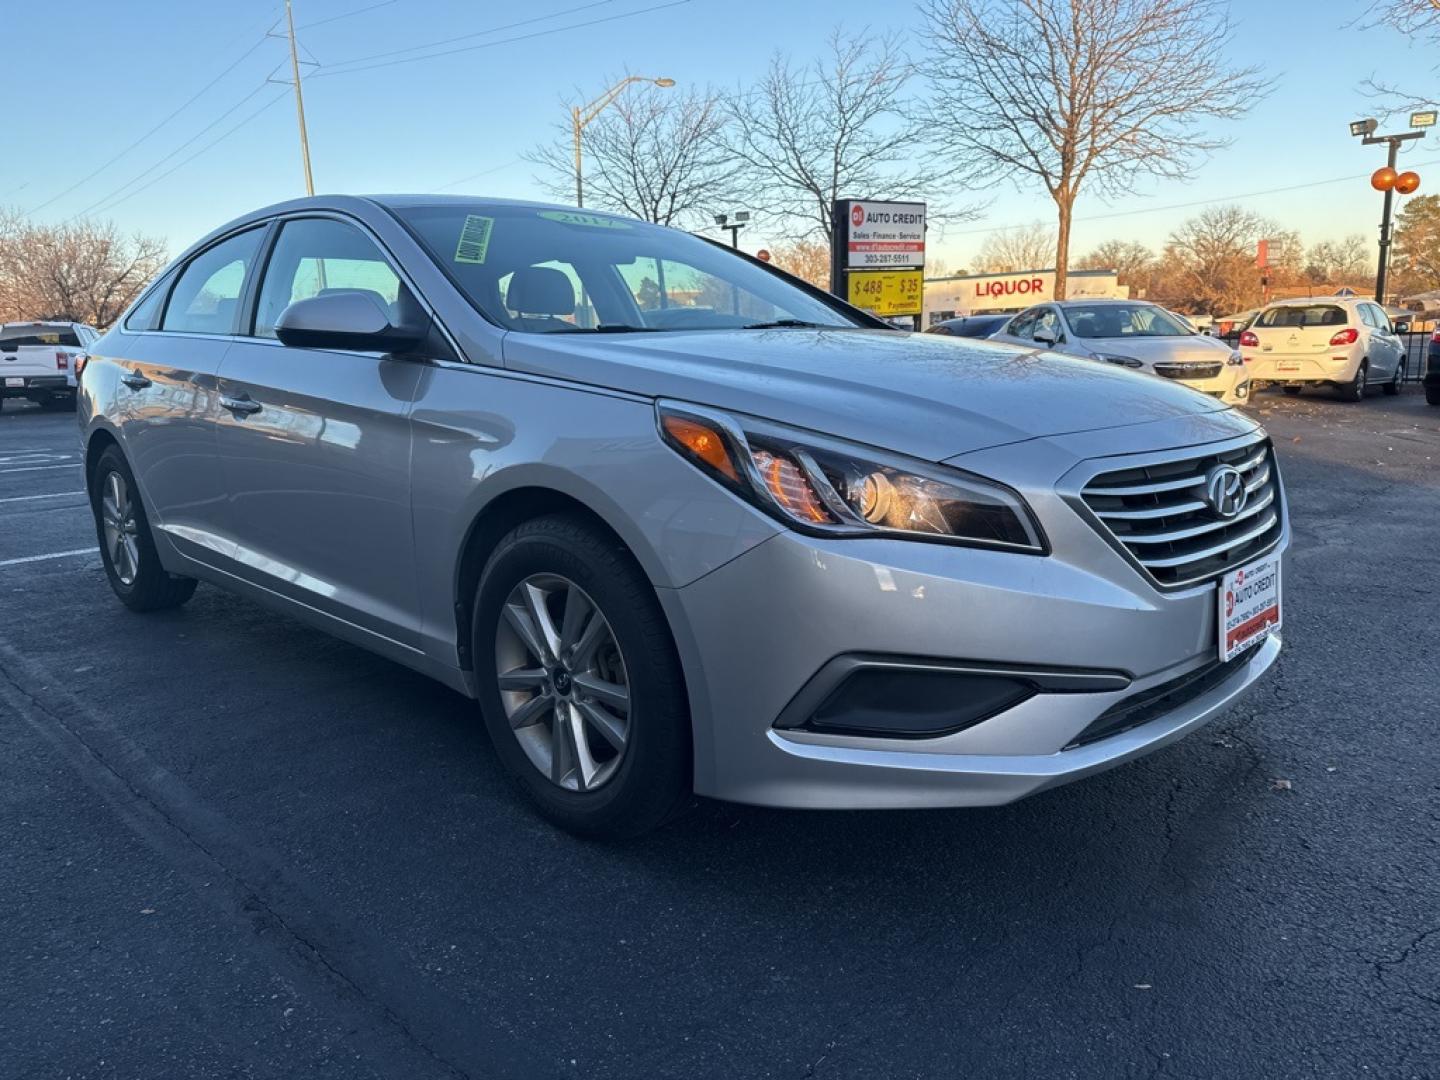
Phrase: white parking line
pixel 52 555
pixel 40 468
pixel 27 498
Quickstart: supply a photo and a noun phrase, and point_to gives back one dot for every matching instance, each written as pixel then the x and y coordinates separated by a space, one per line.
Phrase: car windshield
pixel 1123 321
pixel 552 271
pixel 1303 315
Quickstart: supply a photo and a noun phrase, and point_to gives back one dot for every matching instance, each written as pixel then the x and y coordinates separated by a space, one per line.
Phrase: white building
pixel 984 294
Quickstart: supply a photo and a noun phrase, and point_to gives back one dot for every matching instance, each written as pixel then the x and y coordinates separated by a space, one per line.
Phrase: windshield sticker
pixel 474 239
pixel 595 221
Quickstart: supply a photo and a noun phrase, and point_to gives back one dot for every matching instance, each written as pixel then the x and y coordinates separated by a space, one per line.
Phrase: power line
pixel 346 14
pixel 477 33
pixel 505 41
pixel 211 144
pixel 482 172
pixel 188 102
pixel 105 200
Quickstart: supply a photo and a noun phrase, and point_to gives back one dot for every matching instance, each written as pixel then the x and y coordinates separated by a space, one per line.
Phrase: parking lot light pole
pixel 580 117
pixel 1386 180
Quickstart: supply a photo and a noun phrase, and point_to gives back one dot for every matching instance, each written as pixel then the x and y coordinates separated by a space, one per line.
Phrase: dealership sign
pixel 882 235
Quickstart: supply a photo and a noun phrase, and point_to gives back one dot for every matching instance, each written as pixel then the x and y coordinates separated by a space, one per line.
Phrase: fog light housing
pixel 1243 389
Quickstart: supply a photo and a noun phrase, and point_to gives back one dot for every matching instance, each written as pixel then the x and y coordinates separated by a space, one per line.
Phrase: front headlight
pixel 823 486
pixel 1117 358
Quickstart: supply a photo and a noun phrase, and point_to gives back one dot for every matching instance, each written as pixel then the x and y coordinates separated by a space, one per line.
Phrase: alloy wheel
pixel 562 682
pixel 117 514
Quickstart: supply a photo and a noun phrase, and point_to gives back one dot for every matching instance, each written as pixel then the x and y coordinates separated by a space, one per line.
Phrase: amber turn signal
pixel 700 441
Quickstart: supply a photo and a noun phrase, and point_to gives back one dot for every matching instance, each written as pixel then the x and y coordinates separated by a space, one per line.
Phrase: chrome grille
pixel 1188 371
pixel 1159 515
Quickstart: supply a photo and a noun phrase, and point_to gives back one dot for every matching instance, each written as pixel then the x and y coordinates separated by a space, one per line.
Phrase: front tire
pixel 126 545
pixel 579 681
pixel 1354 390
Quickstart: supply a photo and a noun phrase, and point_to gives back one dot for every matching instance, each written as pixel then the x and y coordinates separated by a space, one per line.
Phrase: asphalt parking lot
pixel 232 846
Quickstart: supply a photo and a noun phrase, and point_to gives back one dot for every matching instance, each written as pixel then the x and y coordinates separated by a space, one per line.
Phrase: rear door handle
pixel 241 406
pixel 135 380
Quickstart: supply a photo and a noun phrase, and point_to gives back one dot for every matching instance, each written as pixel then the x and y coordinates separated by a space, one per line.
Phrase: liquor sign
pixel 877 255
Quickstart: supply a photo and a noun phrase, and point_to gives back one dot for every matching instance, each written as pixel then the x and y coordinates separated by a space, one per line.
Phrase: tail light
pixel 1435 338
pixel 1249 338
pixel 1348 336
pixel 62 361
pixel 80 362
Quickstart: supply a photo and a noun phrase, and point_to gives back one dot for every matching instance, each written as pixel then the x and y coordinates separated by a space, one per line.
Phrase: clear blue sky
pixel 428 125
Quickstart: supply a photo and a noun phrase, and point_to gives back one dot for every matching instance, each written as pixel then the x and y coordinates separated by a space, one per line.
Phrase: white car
pixel 1137 335
pixel 37 360
pixel 1341 341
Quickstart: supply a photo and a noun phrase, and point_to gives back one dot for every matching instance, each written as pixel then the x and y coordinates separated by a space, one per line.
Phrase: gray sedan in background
pixel 1133 334
pixel 677 522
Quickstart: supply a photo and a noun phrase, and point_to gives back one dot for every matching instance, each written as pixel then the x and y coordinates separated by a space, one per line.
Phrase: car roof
pixel 1089 301
pixel 1308 301
pixel 37 322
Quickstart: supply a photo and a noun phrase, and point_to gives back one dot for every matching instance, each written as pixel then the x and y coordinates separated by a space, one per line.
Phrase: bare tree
pixel 805 258
pixel 1418 21
pixel 837 128
pixel 1132 262
pixel 1078 93
pixel 87 272
pixel 656 156
pixel 1031 247
pixel 1209 262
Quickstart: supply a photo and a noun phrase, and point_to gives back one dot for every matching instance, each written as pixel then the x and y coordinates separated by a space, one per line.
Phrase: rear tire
pixel 1354 390
pixel 545 726
pixel 127 547
pixel 1393 386
pixel 1432 395
pixel 1293 391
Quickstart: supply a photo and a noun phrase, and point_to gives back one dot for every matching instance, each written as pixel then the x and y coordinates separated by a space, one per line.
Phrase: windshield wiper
pixel 787 324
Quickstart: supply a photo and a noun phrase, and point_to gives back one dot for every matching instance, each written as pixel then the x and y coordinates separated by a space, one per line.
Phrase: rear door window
pixel 206 299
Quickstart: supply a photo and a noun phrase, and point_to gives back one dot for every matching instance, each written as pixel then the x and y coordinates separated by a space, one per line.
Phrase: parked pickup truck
pixel 37 361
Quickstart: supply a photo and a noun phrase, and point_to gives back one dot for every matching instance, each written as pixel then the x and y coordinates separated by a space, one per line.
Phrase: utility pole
pixel 1388 181
pixel 299 100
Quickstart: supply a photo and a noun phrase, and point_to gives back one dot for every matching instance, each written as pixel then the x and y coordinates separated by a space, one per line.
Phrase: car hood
pixel 1160 350
pixel 928 396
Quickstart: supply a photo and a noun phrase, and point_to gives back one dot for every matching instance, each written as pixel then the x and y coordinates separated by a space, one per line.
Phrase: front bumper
pixel 755 632
pixel 1232 385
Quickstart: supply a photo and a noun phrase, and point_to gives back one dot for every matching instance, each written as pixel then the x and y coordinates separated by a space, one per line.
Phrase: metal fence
pixel 1417 345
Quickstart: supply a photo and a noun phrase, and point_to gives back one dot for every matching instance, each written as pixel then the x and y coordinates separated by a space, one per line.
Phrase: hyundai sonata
pixel 676 521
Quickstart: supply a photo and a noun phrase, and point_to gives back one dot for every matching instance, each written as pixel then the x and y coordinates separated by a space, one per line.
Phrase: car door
pixel 1388 343
pixel 169 353
pixel 315 443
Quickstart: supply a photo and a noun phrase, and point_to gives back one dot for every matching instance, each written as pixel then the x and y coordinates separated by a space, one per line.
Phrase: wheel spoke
pixel 532 712
pixel 585 767
pixel 540 617
pixel 614 695
pixel 109 510
pixel 559 746
pixel 608 726
pixel 132 553
pixel 522 679
pixel 520 621
pixel 588 640
pixel 578 610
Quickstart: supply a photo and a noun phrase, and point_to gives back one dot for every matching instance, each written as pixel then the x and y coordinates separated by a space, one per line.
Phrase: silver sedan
pixel 677 522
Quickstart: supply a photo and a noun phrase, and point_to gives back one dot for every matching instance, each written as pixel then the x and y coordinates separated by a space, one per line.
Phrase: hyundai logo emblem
pixel 1225 491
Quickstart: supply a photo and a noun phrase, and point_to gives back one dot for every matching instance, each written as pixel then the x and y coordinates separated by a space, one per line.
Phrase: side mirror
pixel 1402 327
pixel 1044 337
pixel 353 319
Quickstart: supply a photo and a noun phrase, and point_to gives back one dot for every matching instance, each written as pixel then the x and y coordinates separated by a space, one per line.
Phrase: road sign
pixel 878 235
pixel 887 292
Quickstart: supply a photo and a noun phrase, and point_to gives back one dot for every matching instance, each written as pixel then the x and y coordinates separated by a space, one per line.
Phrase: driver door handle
pixel 135 380
pixel 241 406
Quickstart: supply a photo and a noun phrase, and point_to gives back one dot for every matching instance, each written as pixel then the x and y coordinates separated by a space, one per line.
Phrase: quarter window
pixel 207 295
pixel 318 256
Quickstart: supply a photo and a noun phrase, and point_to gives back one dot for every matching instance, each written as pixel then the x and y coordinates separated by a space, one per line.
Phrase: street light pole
pixel 581 116
pixel 1385 180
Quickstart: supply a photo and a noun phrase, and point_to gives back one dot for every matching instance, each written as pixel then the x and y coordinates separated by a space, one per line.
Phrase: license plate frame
pixel 11 381
pixel 1249 605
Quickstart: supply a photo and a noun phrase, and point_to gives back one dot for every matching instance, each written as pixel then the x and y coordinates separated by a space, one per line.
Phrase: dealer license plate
pixel 1249 599
pixel 1287 365
pixel 14 382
